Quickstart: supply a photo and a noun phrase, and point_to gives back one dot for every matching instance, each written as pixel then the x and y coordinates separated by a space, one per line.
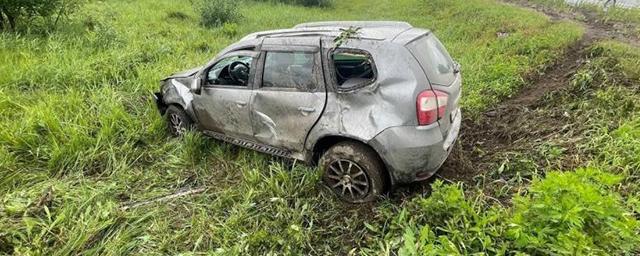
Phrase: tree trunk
pixel 2 21
pixel 60 13
pixel 12 22
pixel 8 19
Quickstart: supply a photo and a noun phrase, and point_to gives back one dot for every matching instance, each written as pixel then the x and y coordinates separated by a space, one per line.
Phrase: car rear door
pixel 223 105
pixel 290 95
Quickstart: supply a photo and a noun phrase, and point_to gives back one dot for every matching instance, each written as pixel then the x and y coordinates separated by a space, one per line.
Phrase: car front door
pixel 289 94
pixel 223 104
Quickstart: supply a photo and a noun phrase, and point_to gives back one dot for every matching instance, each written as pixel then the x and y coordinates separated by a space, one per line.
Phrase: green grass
pixel 80 137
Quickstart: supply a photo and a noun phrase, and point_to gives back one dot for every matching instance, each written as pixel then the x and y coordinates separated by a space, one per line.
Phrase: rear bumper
pixel 413 153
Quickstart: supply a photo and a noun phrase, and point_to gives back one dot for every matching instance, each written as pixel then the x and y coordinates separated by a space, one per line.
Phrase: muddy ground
pixel 519 126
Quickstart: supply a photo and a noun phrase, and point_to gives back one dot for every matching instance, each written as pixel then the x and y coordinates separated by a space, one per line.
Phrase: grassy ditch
pixel 80 138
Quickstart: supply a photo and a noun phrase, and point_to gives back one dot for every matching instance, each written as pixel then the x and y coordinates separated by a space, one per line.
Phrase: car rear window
pixel 434 59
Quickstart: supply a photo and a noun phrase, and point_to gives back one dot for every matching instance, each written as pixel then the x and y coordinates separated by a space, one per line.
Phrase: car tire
pixel 178 122
pixel 353 171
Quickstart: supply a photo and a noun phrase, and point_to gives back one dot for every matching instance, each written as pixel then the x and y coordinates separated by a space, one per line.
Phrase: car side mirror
pixel 456 67
pixel 196 85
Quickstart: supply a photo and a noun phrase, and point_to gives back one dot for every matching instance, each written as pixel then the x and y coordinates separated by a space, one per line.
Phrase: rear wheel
pixel 353 172
pixel 178 122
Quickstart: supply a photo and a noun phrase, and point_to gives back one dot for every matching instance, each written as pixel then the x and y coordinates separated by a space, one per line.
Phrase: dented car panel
pixel 297 93
pixel 224 108
pixel 285 110
pixel 363 113
pixel 415 152
pixel 176 91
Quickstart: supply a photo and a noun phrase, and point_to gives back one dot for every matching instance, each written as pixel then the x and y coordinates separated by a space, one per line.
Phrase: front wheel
pixel 178 122
pixel 353 171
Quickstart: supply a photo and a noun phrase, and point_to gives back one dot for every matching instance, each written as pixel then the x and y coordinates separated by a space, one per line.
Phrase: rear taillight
pixel 431 106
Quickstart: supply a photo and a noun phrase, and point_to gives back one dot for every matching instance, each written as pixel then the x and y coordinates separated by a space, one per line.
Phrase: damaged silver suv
pixel 379 109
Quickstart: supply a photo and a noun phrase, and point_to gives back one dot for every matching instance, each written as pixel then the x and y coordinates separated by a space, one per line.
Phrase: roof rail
pixel 362 24
pixel 285 32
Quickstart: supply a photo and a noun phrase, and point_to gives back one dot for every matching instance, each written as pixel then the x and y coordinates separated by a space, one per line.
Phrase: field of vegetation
pixel 82 144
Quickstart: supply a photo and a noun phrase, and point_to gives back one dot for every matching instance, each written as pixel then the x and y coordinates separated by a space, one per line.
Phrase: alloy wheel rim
pixel 348 179
pixel 176 124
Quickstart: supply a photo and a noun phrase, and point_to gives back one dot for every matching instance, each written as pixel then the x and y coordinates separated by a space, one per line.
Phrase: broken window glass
pixel 353 69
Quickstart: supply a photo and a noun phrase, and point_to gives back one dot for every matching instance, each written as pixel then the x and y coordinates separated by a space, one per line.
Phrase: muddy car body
pixel 381 108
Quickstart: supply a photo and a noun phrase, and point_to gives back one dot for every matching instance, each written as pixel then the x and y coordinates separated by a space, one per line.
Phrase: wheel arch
pixel 175 92
pixel 323 144
pixel 171 97
pixel 175 104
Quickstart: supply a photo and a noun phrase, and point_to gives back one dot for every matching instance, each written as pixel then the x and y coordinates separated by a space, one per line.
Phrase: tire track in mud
pixel 514 125
pixel 520 123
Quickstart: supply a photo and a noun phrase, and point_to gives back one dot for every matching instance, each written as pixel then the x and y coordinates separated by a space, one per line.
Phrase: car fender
pixel 176 91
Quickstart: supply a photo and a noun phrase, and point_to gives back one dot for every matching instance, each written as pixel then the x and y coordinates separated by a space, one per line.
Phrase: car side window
pixel 291 70
pixel 352 68
pixel 233 71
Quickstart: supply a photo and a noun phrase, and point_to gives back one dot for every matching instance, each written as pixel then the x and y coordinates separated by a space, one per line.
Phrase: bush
pixel 217 13
pixel 48 12
pixel 574 213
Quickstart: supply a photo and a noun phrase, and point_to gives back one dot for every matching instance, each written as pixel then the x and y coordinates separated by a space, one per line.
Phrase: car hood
pixel 184 73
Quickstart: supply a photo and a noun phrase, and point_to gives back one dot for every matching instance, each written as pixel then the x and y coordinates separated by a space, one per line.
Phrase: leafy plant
pixel 345 35
pixel 445 223
pixel 217 13
pixel 230 29
pixel 573 213
pixel 582 80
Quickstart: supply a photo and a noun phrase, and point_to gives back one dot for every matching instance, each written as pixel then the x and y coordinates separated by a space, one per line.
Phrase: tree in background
pixel 16 12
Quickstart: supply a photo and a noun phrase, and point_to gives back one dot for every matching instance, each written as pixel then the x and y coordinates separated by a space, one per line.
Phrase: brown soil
pixel 519 125
pixel 599 27
pixel 515 124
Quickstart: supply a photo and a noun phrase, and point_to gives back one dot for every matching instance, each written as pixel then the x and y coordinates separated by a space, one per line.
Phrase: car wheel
pixel 178 122
pixel 353 171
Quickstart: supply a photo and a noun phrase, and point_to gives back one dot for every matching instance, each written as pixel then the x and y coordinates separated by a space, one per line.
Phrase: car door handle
pixel 306 109
pixel 241 103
